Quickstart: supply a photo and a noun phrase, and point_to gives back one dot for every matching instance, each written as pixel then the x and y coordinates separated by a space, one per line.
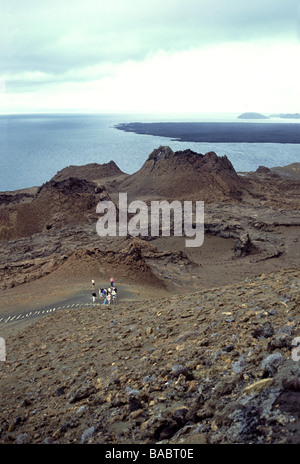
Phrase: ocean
pixel 34 147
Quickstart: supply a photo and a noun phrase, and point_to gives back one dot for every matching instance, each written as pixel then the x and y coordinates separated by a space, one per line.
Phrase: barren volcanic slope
pixel 209 367
pixel 199 347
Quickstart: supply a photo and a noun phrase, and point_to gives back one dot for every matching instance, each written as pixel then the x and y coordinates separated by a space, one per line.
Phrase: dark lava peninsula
pixel 222 132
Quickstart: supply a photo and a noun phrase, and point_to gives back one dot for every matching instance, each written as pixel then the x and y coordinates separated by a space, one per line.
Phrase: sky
pixel 151 56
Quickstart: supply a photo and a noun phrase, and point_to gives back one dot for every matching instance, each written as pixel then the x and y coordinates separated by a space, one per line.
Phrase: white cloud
pixel 56 35
pixel 231 77
pixel 127 55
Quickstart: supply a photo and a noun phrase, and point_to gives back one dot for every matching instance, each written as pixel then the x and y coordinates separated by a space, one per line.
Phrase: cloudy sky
pixel 149 56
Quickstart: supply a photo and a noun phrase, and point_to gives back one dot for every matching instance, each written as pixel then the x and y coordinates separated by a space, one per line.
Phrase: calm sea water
pixel 34 147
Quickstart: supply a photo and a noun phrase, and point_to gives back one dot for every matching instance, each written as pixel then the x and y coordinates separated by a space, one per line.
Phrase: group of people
pixel 106 295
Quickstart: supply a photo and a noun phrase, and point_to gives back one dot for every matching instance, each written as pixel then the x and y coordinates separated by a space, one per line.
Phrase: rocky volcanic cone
pixel 292 171
pixel 56 204
pixel 69 198
pixel 171 174
pixel 91 171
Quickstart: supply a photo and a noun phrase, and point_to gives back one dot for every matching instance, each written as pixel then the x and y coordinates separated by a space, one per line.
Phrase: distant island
pixel 286 115
pixel 252 115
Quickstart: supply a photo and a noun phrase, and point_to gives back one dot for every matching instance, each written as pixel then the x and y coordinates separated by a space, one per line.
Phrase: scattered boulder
pixel 244 246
